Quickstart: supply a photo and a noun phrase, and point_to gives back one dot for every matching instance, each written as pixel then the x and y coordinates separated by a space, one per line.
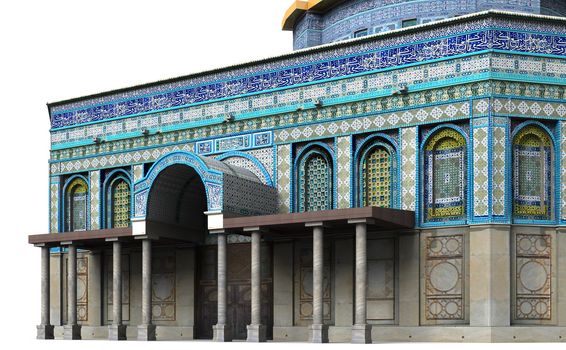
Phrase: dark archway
pixel 177 202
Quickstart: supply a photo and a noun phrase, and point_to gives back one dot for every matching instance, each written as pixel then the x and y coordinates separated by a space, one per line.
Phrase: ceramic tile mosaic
pixel 481 177
pixel 343 171
pixel 498 168
pixel 284 177
pixel 54 204
pixel 408 168
pixel 95 200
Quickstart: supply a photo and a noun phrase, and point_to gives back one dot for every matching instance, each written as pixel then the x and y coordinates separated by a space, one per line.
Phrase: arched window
pixel 76 206
pixel 532 174
pixel 445 176
pixel 315 181
pixel 118 204
pixel 377 176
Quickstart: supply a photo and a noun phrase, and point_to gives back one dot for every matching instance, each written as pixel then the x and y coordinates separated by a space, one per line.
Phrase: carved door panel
pixel 238 313
pixel 207 298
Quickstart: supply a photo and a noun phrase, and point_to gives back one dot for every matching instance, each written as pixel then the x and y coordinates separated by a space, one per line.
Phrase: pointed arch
pixel 532 172
pixel 76 203
pixel 314 174
pixel 377 172
pixel 445 167
pixel 117 199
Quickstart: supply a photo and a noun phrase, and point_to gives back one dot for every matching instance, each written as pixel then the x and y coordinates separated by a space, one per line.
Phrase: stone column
pixel 72 330
pixel 45 329
pixel 222 331
pixel 146 331
pixel 318 330
pixel 256 331
pixel 361 331
pixel 117 331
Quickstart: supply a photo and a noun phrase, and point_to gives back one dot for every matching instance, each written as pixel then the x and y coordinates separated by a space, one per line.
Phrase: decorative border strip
pixel 234 143
pixel 475 41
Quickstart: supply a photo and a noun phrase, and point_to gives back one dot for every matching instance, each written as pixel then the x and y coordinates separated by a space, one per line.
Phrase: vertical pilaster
pixel 54 189
pixel 95 200
pixel 284 177
pixel 45 329
pixel 146 331
pixel 318 330
pixel 361 331
pixel 256 331
pixel 117 331
pixel 72 330
pixel 490 283
pixel 221 331
pixel 343 160
pixel 408 168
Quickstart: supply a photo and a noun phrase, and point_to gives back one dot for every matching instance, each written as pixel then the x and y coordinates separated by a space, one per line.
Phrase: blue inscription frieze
pixel 472 42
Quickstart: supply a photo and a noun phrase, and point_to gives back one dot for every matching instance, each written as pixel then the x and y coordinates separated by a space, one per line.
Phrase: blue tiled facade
pixel 342 21
pixel 462 122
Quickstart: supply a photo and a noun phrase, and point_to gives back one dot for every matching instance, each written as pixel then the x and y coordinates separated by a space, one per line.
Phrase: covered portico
pixel 353 221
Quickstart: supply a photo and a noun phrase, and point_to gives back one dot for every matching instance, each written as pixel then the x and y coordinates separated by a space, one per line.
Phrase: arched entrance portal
pixel 177 201
pixel 178 193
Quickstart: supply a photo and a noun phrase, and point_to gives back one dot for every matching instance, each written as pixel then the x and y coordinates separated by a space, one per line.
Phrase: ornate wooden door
pixel 238 314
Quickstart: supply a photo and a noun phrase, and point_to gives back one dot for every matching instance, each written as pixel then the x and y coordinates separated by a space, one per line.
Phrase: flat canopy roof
pixel 293 224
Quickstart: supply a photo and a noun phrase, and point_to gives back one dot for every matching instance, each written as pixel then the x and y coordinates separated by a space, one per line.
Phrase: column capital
pixel 368 221
pixel 316 224
pixel 259 229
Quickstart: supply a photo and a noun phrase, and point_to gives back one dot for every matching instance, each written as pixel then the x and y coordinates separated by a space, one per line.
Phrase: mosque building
pixel 399 177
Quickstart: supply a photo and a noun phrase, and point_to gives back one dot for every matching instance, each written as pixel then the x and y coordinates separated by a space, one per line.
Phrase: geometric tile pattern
pixel 138 172
pixel 374 122
pixel 444 184
pixel 444 278
pixel 563 166
pixel 533 274
pixel 527 108
pixel 76 206
pixel 450 70
pixel 284 177
pixel 116 160
pixel 532 174
pixel 498 169
pixel 363 61
pixel 95 200
pixel 408 168
pixel 315 182
pixel 377 178
pixel 54 204
pixel 343 161
pixel 481 179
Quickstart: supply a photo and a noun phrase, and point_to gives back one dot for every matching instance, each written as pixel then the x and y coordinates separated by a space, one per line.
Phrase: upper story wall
pixel 470 72
pixel 340 20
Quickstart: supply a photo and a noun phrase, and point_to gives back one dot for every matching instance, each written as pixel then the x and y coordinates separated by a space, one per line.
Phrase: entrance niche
pixel 177 202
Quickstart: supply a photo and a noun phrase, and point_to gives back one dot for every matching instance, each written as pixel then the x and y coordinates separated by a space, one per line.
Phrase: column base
pixel 117 332
pixel 45 331
pixel 256 333
pixel 318 333
pixel 361 334
pixel 221 333
pixel 146 332
pixel 72 332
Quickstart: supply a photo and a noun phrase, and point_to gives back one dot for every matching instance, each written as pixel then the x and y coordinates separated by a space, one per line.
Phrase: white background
pixel 56 50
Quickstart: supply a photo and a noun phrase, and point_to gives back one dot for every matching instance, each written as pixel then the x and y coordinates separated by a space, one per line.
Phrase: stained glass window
pixel 315 182
pixel 532 174
pixel 76 206
pixel 444 178
pixel 376 178
pixel 119 213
